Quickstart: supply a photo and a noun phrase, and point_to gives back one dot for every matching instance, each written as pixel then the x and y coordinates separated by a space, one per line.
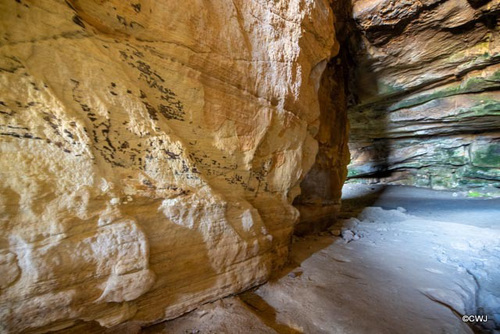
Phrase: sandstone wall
pixel 426 84
pixel 150 152
pixel 319 201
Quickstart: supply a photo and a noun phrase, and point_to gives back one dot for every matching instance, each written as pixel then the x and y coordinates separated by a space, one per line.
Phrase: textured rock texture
pixel 319 202
pixel 150 152
pixel 427 92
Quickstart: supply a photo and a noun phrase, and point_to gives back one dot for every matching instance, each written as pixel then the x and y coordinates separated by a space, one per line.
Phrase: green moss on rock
pixel 486 155
pixel 470 85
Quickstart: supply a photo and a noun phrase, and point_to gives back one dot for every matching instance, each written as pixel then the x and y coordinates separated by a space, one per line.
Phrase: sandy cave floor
pixel 403 260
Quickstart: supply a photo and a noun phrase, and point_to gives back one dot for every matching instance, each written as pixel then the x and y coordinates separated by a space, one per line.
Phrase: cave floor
pixel 402 260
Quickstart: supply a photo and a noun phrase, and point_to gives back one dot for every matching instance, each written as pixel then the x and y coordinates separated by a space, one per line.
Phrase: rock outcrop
pixel 319 201
pixel 150 152
pixel 426 88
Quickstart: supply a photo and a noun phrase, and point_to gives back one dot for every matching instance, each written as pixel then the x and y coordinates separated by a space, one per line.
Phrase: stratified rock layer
pixel 427 83
pixel 150 152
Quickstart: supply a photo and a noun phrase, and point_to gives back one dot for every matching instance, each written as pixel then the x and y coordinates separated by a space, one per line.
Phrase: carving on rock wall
pixel 426 80
pixel 150 152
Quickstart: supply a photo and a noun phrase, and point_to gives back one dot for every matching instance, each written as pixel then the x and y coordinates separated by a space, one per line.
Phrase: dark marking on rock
pixel 133 24
pixel 51 119
pixel 176 112
pixel 11 113
pixel 77 19
pixel 147 183
pixel 146 69
pixel 138 54
pixel 122 20
pixel 70 5
pixel 11 134
pixel 173 109
pixel 30 136
pixel 137 7
pixel 123 55
pixel 17 127
pixel 171 155
pixel 70 135
pixel 153 113
pixel 185 167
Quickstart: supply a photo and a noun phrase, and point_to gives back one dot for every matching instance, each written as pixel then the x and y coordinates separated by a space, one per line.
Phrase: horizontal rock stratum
pixel 427 83
pixel 150 152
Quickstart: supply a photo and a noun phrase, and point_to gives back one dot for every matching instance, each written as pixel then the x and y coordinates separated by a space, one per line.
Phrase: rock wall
pixel 319 201
pixel 150 152
pixel 426 93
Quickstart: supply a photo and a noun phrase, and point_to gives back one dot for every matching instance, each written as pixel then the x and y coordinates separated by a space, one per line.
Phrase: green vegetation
pixel 473 194
pixel 487 155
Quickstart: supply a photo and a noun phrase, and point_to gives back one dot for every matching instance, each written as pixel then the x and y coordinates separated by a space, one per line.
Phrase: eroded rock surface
pixel 150 152
pixel 319 201
pixel 427 89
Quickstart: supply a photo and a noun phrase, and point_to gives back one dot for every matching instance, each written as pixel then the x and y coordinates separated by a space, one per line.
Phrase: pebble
pixel 295 273
pixel 335 233
pixel 347 235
